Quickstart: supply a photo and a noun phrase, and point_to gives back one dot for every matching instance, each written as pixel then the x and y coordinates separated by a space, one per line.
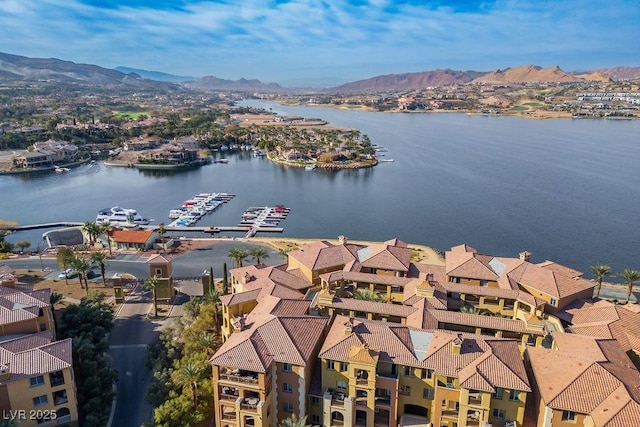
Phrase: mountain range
pixel 19 68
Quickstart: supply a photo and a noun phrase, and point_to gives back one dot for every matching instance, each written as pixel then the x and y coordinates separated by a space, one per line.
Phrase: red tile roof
pixel 131 236
pixel 481 360
pixel 35 354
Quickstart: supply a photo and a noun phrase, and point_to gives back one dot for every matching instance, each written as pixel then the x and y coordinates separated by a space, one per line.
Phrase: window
pixel 287 388
pixel 315 401
pixel 498 393
pixel 553 302
pixel 40 400
pixel 514 395
pixel 342 384
pixel 408 371
pixel 330 364
pixel 449 382
pixel 428 393
pixel 287 367
pixel 498 413
pixel 344 366
pixel 287 407
pixel 568 416
pixel 426 374
pixel 484 283
pixel 405 390
pixel 315 419
pixel 36 381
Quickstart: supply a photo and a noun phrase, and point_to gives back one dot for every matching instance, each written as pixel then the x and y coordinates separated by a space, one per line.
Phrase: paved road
pixel 131 334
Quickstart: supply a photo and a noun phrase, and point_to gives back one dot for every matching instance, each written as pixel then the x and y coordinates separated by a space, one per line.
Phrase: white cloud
pixel 254 39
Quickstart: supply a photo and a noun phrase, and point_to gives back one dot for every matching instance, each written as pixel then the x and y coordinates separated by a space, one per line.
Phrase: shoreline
pixel 530 114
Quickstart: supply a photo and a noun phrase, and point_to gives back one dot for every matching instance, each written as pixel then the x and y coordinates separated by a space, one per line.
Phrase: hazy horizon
pixel 304 40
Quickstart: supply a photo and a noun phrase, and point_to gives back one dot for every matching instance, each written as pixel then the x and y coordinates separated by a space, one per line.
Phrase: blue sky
pixel 293 40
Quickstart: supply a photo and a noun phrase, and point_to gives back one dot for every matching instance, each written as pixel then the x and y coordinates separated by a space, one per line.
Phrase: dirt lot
pixel 69 289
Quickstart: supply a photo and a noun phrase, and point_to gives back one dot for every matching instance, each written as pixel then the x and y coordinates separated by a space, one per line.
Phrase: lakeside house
pixel 47 154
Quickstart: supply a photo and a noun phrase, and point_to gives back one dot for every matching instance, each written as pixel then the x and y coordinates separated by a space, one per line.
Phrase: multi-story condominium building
pixel 583 381
pixel 36 381
pixel 445 347
pixel 24 311
pixel 376 373
pixel 262 373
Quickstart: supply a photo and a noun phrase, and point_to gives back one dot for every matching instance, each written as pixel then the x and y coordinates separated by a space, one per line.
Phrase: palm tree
pixel 472 310
pixel 188 375
pixel 152 283
pixel 106 229
pixel 63 258
pixel 238 255
pixel 368 295
pixel 81 266
pixel 294 421
pixel 213 297
pixel 100 258
pixel 600 270
pixel 630 276
pixel 161 232
pixel 206 342
pixel 93 231
pixel 284 252
pixel 258 253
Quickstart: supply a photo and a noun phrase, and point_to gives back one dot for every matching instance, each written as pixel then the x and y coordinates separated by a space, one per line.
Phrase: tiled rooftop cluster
pixel 471 341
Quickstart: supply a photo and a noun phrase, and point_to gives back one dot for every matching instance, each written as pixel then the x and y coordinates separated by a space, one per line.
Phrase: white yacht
pixel 117 215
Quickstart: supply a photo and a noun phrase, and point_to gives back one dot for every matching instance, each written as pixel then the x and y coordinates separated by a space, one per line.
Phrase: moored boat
pixel 117 215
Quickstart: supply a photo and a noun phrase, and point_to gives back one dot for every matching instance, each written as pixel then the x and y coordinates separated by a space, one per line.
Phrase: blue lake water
pixel 565 190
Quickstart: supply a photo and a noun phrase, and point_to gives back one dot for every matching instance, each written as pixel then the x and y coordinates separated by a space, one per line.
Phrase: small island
pixel 303 142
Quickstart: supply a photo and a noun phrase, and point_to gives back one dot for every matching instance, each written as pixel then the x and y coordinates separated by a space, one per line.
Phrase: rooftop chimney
pixel 456 345
pixel 525 256
pixel 342 240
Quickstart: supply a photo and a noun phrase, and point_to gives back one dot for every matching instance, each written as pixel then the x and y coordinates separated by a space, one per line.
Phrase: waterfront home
pixel 141 144
pixel 36 376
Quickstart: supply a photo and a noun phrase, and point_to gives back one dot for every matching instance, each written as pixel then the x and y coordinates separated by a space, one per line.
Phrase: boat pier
pixel 43 225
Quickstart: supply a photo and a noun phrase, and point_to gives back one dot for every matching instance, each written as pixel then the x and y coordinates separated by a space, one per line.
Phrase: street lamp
pixel 40 256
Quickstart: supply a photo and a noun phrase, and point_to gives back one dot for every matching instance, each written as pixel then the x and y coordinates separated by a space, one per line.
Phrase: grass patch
pixel 133 115
pixel 534 104
pixel 519 108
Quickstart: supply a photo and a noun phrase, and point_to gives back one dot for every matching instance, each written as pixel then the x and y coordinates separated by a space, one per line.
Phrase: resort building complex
pixel 362 335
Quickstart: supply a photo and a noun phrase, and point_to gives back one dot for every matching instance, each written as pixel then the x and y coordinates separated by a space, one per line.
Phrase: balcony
pixel 475 399
pixel 450 413
pixel 56 378
pixel 361 381
pixel 239 376
pixel 228 393
pixel 60 397
pixel 383 402
pixel 250 404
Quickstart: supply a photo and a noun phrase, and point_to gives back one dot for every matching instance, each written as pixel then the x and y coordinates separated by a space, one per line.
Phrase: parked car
pixel 91 274
pixel 69 273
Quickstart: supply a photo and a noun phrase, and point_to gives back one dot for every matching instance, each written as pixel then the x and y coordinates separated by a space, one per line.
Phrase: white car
pixel 69 273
